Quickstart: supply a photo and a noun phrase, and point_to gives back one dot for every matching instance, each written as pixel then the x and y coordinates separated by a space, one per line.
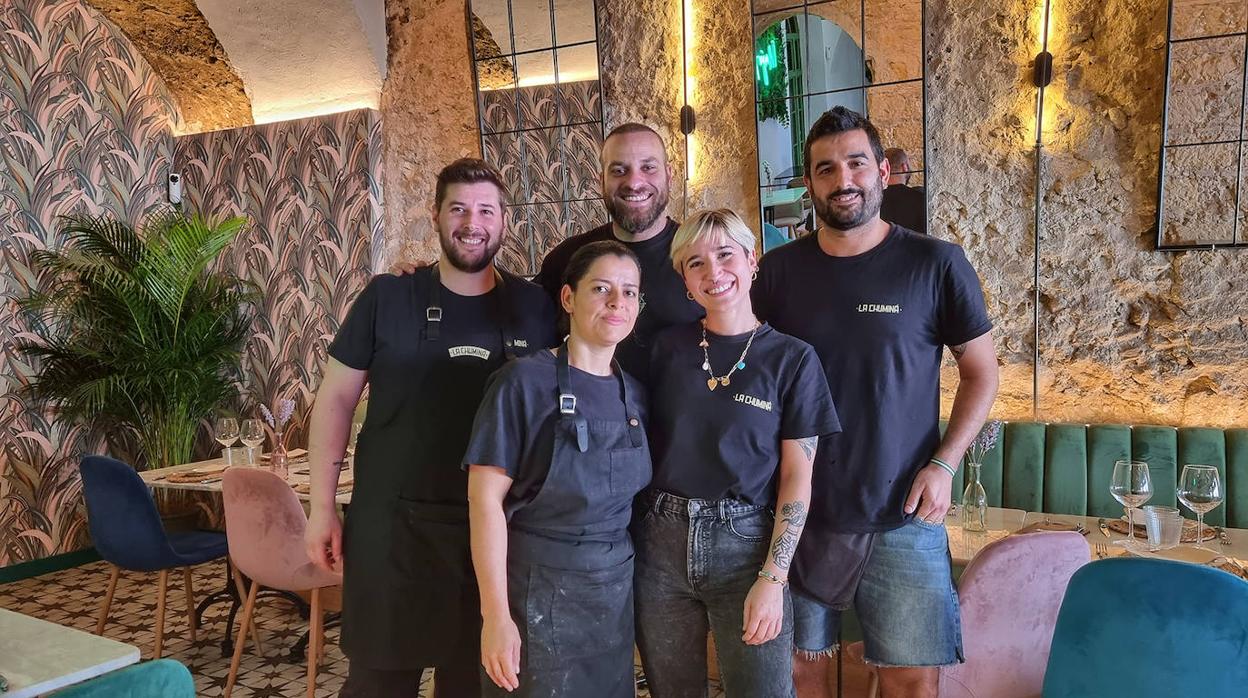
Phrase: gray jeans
pixel 696 561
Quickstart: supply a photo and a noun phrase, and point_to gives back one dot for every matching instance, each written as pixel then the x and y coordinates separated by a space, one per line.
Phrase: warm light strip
pixel 690 82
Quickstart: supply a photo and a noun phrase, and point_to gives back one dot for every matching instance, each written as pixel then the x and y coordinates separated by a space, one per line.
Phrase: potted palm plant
pixel 136 331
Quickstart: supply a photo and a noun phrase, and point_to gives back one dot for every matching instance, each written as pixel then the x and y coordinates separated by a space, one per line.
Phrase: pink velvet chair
pixel 1010 594
pixel 264 522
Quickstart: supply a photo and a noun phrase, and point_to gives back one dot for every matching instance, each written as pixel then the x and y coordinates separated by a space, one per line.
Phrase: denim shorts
pixel 906 603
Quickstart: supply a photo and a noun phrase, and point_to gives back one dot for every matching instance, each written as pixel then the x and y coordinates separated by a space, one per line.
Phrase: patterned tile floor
pixel 72 597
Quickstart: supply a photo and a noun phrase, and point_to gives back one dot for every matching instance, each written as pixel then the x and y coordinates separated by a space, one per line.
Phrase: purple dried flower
pixel 984 441
pixel 285 409
pixel 268 416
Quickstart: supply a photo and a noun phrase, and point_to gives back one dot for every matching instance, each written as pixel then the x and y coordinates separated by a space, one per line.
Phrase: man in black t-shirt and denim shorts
pixel 879 303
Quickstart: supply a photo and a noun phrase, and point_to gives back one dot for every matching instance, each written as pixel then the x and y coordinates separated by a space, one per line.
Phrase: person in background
pixel 557 454
pixel 738 409
pixel 636 180
pixel 903 204
pixel 424 343
pixel 879 304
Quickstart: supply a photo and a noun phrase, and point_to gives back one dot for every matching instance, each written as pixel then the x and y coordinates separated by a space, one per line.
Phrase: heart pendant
pixel 724 380
pixel 710 383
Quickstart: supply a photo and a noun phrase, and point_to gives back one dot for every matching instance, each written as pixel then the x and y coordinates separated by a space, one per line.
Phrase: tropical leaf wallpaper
pixel 85 126
pixel 311 189
pixel 545 140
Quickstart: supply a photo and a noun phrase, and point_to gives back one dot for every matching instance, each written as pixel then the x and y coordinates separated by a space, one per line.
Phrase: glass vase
pixel 974 502
pixel 278 460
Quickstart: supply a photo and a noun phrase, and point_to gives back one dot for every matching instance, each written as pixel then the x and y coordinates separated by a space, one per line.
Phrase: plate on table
pixel 1189 529
pixel 1182 553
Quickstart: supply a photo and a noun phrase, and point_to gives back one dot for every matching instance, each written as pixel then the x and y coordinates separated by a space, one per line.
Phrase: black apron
pixel 410 597
pixel 570 558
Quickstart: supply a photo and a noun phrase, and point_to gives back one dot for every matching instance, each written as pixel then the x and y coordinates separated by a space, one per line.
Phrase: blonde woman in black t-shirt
pixel 737 412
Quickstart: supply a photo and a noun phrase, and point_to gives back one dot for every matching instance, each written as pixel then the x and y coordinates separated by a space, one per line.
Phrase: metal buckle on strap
pixel 567 404
pixel 433 314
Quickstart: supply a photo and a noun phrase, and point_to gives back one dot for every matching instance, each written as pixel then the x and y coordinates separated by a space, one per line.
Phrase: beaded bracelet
pixel 769 577
pixel 945 466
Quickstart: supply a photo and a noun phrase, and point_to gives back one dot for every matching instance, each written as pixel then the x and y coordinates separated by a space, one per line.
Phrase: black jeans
pixel 696 562
pixel 455 679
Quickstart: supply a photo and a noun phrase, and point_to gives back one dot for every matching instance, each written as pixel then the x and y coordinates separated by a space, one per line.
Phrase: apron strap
pixel 433 313
pixel 567 403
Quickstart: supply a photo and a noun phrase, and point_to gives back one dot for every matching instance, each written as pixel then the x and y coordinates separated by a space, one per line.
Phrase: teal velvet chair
pixel 1147 628
pixel 161 678
pixel 1065 468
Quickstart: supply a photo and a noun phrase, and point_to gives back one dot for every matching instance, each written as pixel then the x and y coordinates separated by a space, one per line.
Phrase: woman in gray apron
pixel 737 411
pixel 557 453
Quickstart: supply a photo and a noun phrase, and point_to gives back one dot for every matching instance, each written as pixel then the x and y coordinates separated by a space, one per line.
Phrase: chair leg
pixel 242 594
pixel 873 688
pixel 108 599
pixel 161 592
pixel 316 637
pixel 190 603
pixel 248 608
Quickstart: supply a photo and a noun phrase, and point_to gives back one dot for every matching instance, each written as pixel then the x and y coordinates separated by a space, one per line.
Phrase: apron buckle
pixel 567 403
pixel 433 314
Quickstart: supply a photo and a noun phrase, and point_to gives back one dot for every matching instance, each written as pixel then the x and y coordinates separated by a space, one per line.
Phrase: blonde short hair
pixel 709 223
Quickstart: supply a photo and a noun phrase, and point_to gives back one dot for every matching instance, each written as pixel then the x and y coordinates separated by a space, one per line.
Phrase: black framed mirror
pixel 809 56
pixel 539 107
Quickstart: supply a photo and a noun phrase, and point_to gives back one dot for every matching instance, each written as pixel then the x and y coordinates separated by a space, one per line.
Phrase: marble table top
pixel 37 657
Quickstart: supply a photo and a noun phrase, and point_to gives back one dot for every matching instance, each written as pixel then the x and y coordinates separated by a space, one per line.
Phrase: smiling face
pixel 846 181
pixel 718 271
pixel 636 179
pixel 603 306
pixel 470 225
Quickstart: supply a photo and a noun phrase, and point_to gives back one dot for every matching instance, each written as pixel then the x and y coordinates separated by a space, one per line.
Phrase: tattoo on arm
pixel 958 350
pixel 785 544
pixel 809 445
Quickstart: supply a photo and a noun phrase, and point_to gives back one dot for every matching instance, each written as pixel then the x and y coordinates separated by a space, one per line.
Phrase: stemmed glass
pixel 352 441
pixel 1131 486
pixel 226 434
pixel 253 436
pixel 1200 489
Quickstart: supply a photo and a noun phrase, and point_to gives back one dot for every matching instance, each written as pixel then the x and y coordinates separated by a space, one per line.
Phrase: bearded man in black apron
pixel 558 451
pixel 425 343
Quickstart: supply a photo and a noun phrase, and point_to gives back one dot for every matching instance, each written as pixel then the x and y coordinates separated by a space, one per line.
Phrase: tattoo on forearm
pixel 809 444
pixel 958 350
pixel 785 544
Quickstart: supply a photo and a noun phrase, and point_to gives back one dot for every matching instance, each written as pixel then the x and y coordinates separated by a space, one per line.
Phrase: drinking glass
pixel 1131 486
pixel 253 437
pixel 352 441
pixel 226 431
pixel 1200 489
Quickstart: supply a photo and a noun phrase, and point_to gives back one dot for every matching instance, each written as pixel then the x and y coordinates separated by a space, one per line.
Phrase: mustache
pixel 839 192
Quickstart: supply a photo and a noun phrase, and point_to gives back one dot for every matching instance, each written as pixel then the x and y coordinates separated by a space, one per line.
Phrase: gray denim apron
pixel 570 558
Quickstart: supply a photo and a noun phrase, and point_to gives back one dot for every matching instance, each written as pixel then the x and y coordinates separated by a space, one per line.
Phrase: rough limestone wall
pixel 1127 334
pixel 430 117
pixel 176 39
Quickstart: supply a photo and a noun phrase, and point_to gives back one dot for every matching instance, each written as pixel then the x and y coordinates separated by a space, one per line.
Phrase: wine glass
pixel 1200 489
pixel 1131 486
pixel 253 437
pixel 226 434
pixel 352 441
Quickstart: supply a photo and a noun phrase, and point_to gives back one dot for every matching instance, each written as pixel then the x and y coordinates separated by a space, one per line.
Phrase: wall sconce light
pixel 688 120
pixel 1042 75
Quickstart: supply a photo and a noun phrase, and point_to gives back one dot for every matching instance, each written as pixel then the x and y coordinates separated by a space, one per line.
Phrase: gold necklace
pixel 740 363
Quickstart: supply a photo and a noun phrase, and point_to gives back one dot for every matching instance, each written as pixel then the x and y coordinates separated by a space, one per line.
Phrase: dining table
pixel 38 656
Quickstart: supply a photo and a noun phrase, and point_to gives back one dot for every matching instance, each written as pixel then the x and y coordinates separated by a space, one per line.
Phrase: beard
pixel 842 218
pixel 632 220
pixel 469 261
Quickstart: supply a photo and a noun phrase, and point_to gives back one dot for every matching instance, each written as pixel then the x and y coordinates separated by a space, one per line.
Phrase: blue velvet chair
pixel 1148 628
pixel 162 678
pixel 128 534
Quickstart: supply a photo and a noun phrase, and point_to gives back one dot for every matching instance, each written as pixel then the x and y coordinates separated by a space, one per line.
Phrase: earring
pixel 688 295
pixel 754 276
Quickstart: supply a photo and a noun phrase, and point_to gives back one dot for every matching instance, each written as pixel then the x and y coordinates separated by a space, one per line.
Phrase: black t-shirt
pixel 906 206
pixel 879 322
pixel 725 443
pixel 514 427
pixel 423 392
pixel 663 295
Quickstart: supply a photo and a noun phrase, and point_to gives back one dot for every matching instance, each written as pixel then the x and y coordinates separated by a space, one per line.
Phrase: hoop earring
pixel 754 276
pixel 688 295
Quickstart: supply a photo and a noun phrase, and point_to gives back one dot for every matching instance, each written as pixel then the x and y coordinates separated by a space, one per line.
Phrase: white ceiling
pixel 300 58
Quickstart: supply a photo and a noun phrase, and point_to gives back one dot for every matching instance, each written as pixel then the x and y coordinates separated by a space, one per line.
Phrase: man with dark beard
pixel 879 304
pixel 425 343
pixel 636 179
